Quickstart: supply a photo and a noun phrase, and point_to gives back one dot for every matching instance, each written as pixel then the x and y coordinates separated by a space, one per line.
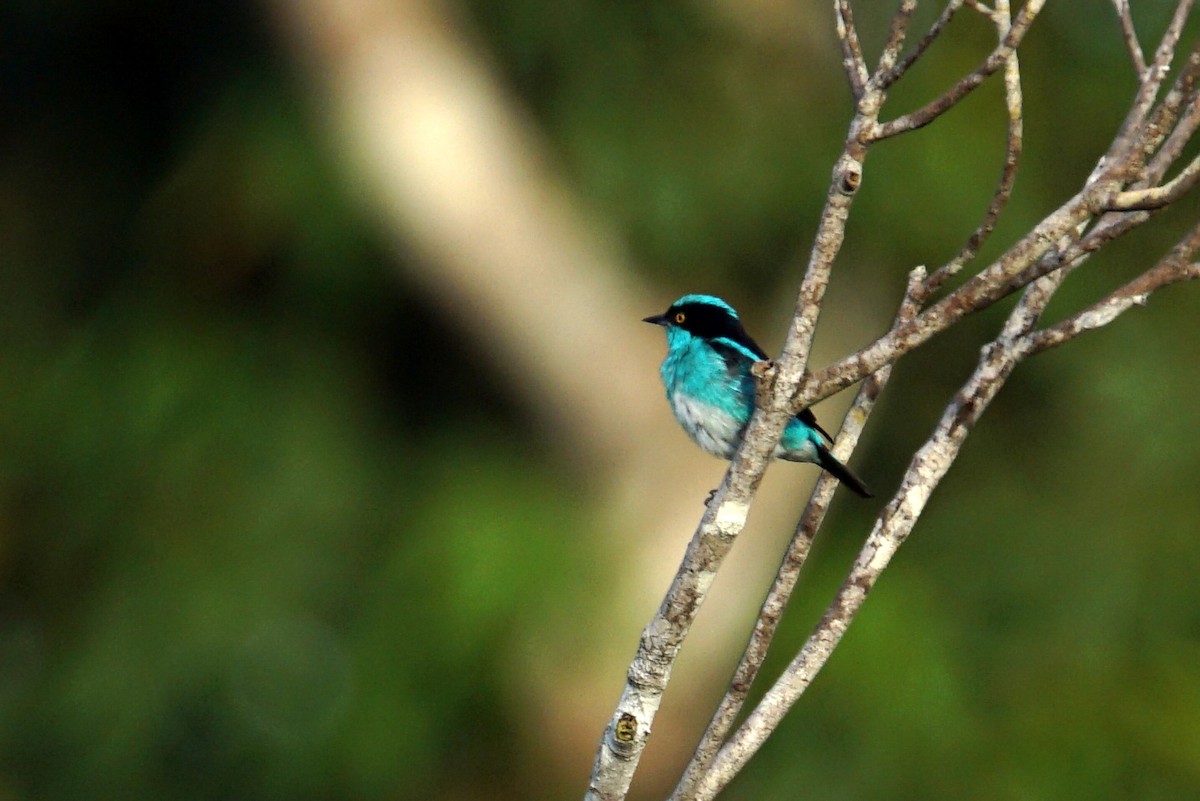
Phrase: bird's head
pixel 701 315
pixel 704 316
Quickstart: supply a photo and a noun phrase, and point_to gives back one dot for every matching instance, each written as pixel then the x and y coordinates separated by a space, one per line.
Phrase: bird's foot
pixel 711 494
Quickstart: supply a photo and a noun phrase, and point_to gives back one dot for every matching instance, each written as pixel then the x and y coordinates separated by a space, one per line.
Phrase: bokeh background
pixel 333 459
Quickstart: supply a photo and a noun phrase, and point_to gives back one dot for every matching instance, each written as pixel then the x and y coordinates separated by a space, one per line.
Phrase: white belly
pixel 715 431
pixel 720 433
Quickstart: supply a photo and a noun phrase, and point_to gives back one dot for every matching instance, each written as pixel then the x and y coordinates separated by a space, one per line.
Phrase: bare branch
pixel 928 467
pixel 789 571
pixel 852 55
pixel 1173 268
pixel 1158 196
pixel 896 36
pixel 1177 140
pixel 1163 119
pixel 1167 129
pixel 1033 256
pixel 968 83
pixel 1013 101
pixel 1152 79
pixel 1022 264
pixel 792 364
pixel 884 80
pixel 1076 248
pixel 625 737
pixel 1039 262
pixel 1131 38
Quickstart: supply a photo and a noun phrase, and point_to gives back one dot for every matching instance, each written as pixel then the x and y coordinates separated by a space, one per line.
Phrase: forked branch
pixel 781 590
pixel 1125 189
pixel 968 83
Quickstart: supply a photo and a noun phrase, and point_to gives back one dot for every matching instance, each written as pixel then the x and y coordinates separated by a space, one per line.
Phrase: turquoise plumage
pixel 707 377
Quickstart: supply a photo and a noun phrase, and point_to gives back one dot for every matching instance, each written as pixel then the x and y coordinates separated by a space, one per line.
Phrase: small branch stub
pixel 850 178
pixel 624 734
pixel 764 381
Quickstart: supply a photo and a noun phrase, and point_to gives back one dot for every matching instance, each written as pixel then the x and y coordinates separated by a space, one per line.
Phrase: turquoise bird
pixel 711 391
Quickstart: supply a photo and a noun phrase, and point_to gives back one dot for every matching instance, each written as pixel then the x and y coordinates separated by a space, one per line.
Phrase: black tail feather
pixel 842 473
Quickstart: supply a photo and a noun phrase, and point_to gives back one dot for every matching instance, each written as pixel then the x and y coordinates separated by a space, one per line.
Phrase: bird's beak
pixel 658 319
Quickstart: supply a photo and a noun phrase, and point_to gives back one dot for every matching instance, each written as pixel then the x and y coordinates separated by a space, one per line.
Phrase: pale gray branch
pixel 1020 265
pixel 1131 38
pixel 852 56
pixel 886 79
pixel 1165 116
pixel 892 527
pixel 1035 254
pixel 1173 268
pixel 789 570
pixel 896 36
pixel 1177 140
pixel 968 83
pixel 1152 79
pixel 1013 101
pixel 1158 196
pixel 625 737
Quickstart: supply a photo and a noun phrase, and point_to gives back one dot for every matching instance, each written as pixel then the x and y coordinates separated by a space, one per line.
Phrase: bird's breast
pixel 713 429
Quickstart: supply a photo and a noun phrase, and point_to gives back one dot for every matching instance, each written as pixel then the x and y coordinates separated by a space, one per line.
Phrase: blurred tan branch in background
pixel 457 174
pixel 459 178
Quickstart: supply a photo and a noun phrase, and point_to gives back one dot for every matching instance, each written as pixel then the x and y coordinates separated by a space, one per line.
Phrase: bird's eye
pixel 679 318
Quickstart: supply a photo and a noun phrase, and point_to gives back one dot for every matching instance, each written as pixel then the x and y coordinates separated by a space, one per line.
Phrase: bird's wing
pixel 738 356
pixel 736 347
pixel 739 352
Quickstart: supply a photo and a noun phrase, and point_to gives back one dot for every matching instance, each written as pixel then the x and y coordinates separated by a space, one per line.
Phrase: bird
pixel 707 376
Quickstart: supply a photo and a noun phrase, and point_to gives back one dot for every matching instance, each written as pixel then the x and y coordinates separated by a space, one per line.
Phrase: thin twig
pixel 1175 267
pixel 1158 196
pixel 1131 38
pixel 968 83
pixel 1167 127
pixel 625 737
pixel 1164 117
pixel 791 367
pixel 1020 265
pixel 1030 258
pixel 896 36
pixel 1156 72
pixel 1177 140
pixel 1013 100
pixel 1077 247
pixel 852 56
pixel 884 80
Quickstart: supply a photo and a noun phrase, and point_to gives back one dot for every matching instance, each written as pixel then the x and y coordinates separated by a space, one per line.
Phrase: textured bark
pixel 1122 193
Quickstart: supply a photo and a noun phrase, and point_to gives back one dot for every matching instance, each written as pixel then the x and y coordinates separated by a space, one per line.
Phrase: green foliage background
pixel 242 500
